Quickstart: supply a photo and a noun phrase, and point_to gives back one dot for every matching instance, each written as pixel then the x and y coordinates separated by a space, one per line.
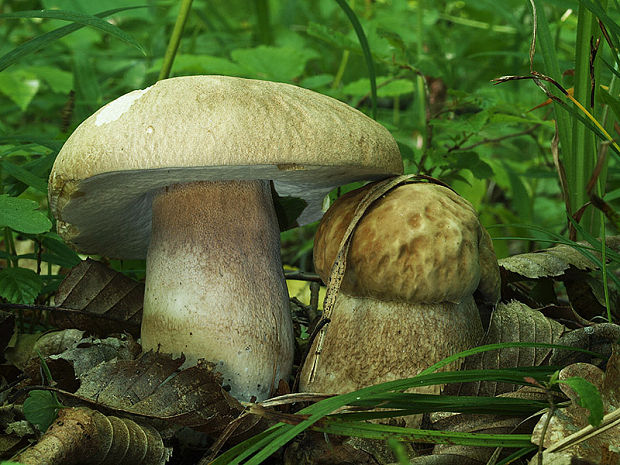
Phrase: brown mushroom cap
pixel 420 243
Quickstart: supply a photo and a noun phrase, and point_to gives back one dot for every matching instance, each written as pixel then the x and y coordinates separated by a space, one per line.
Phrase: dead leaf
pixel 567 423
pixel 84 436
pixel 596 338
pixel 152 387
pixel 100 300
pixel 510 322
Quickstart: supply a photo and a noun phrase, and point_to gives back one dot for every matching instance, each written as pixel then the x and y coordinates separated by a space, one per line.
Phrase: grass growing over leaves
pixel 390 395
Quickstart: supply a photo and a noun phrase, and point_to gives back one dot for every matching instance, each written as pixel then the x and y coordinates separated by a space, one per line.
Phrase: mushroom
pixel 180 173
pixel 406 297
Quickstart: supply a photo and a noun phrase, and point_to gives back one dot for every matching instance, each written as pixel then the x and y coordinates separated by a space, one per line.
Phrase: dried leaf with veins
pixel 569 435
pixel 87 437
pixel 510 322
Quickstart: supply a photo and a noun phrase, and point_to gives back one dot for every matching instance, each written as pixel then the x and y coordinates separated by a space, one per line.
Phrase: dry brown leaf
pixel 596 338
pixel 553 262
pixel 100 300
pixel 599 446
pixel 474 423
pixel 152 387
pixel 84 436
pixel 510 322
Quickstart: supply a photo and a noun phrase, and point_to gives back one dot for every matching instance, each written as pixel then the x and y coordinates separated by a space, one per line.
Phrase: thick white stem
pixel 215 288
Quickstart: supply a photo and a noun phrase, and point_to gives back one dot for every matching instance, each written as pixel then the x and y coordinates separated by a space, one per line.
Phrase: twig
pixel 302 276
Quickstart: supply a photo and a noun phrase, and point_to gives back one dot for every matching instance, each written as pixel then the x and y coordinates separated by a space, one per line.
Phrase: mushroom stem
pixel 371 341
pixel 215 288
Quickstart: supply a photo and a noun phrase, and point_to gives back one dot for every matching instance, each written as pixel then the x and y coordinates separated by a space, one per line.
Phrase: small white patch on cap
pixel 113 110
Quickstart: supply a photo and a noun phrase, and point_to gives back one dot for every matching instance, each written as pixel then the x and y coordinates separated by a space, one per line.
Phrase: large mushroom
pixel 180 173
pixel 406 299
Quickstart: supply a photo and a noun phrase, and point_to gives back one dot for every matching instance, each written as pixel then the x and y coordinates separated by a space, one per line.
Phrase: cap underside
pixel 110 214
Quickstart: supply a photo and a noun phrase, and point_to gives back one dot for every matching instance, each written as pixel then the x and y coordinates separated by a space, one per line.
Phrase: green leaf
pixel 22 215
pixel 44 40
pixel 274 63
pixel 20 285
pixel 24 176
pixel 79 18
pixel 20 86
pixel 589 398
pixel 201 64
pixel 41 409
pixel 393 88
pixel 59 81
pixel 61 254
pixel 469 161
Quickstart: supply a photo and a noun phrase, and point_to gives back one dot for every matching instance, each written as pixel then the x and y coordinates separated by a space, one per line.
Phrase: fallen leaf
pixel 100 300
pixel 598 446
pixel 510 322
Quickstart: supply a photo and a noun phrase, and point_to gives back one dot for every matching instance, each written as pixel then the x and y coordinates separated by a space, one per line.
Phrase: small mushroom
pixel 406 299
pixel 180 173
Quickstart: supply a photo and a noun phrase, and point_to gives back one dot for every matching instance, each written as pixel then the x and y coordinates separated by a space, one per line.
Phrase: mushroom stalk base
pixel 215 288
pixel 370 341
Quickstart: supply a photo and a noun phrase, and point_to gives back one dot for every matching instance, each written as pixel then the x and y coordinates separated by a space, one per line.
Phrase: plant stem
pixel 341 68
pixel 420 95
pixel 262 15
pixel 175 39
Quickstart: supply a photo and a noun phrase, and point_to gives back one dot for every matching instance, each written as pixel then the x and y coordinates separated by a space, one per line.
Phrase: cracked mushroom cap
pixel 419 243
pixel 206 128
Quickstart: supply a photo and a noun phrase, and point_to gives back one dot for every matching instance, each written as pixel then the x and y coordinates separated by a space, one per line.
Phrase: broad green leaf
pixel 392 88
pixel 59 81
pixel 333 37
pixel 79 18
pixel 469 161
pixel 59 252
pixel 41 409
pixel 317 81
pixel 201 64
pixel 274 63
pixel 20 285
pixel 44 40
pixel 22 215
pixel 20 86
pixel 589 398
pixel 24 176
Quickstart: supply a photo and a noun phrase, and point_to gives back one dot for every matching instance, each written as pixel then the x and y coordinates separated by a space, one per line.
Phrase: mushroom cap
pixel 419 243
pixel 206 128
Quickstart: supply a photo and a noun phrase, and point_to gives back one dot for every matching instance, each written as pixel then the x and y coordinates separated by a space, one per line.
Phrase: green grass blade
pixel 379 431
pixel 518 454
pixel 546 45
pixel 79 18
pixel 422 403
pixel 282 433
pixel 43 40
pixel 370 64
pixel 24 176
pixel 25 138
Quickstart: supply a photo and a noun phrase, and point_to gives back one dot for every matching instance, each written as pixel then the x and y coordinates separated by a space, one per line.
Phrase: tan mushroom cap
pixel 420 243
pixel 203 128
